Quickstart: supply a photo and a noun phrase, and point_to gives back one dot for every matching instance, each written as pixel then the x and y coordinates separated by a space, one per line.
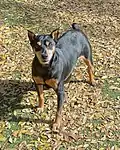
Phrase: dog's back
pixel 74 40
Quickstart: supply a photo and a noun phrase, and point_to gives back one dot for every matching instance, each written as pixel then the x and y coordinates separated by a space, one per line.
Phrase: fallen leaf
pixel 2 138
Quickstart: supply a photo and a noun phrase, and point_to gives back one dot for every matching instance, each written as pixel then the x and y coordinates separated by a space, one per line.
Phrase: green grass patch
pixel 111 88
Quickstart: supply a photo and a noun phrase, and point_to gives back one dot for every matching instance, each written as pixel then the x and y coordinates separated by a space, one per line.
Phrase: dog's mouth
pixel 45 61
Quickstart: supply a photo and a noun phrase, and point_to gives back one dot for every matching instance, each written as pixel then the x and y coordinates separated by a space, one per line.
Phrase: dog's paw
pixel 38 109
pixel 55 127
pixel 93 83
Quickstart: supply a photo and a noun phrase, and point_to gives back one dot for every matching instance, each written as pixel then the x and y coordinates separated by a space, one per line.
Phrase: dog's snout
pixel 44 55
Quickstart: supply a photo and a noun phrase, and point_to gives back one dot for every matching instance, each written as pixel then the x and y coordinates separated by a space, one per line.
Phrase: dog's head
pixel 43 45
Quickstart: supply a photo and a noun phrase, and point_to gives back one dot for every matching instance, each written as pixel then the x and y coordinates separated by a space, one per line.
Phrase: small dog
pixel 55 59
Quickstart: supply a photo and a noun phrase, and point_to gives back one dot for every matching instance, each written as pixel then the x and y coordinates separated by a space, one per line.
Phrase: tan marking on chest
pixel 38 80
pixel 52 83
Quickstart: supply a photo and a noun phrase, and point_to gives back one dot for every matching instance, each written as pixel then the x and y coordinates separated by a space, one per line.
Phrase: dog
pixel 55 58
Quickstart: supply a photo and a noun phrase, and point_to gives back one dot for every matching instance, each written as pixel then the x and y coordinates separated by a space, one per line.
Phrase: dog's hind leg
pixel 90 70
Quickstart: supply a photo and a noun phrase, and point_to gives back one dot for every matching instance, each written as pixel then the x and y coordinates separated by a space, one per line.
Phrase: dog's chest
pixel 44 75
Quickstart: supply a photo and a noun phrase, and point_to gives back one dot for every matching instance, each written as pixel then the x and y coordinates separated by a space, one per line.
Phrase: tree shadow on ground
pixel 37 13
pixel 25 13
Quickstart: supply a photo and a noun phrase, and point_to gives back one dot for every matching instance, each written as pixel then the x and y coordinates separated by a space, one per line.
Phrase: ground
pixel 91 116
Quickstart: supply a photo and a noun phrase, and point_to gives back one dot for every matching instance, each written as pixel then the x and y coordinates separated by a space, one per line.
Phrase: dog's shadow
pixel 11 95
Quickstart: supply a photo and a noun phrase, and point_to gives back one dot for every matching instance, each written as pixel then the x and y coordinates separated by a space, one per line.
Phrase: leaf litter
pixel 91 116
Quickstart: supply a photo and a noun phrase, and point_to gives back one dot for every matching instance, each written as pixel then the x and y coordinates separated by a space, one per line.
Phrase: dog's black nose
pixel 44 56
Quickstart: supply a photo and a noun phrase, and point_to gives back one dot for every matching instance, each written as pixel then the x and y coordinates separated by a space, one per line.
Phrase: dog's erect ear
pixel 31 36
pixel 55 34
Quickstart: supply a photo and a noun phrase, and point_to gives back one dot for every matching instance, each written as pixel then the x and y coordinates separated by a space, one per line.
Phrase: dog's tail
pixel 75 26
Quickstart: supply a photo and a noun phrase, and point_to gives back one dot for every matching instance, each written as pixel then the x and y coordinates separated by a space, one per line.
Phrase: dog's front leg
pixel 39 88
pixel 60 100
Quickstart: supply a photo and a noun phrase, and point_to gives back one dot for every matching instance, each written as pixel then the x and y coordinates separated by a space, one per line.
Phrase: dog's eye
pixel 50 44
pixel 47 43
pixel 39 43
